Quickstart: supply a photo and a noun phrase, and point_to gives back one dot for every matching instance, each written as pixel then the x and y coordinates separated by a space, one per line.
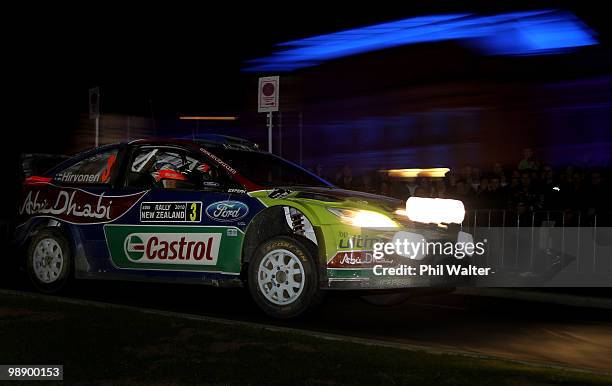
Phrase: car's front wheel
pixel 283 277
pixel 49 260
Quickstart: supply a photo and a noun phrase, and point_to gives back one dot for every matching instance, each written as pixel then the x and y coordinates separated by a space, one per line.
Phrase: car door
pixel 185 225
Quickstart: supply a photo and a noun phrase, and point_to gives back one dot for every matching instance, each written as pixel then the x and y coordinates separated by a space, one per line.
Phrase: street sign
pixel 94 103
pixel 267 97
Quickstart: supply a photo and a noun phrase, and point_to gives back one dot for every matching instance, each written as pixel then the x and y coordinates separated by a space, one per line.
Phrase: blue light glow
pixel 517 33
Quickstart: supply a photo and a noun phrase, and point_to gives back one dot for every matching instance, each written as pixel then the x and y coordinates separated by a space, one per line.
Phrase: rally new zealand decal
pixel 168 211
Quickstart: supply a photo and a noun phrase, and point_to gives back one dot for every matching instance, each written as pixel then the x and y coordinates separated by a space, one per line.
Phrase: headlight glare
pixel 363 218
pixel 435 210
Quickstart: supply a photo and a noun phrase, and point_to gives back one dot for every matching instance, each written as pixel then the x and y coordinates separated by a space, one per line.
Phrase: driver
pixel 167 175
pixel 205 170
pixel 206 174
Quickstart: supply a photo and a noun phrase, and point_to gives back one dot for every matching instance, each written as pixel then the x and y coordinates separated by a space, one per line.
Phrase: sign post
pixel 270 126
pixel 267 101
pixel 94 110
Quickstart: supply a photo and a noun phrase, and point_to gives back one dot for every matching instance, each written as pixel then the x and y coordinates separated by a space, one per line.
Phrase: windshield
pixel 267 170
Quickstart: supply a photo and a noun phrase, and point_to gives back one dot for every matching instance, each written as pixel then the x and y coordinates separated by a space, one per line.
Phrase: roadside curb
pixel 302 332
pixel 536 296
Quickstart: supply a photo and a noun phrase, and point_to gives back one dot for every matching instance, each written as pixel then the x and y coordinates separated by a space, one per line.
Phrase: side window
pixel 169 168
pixel 93 170
pixel 209 175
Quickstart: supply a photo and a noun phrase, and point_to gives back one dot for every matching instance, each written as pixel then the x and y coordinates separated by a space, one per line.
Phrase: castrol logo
pixel 173 248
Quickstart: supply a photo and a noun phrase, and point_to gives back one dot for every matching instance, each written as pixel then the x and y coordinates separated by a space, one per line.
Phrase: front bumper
pixel 359 269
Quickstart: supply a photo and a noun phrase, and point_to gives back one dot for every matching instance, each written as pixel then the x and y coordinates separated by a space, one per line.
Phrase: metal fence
pixel 576 245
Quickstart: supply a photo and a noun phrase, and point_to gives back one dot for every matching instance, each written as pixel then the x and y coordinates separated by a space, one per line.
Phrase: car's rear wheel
pixel 49 261
pixel 283 277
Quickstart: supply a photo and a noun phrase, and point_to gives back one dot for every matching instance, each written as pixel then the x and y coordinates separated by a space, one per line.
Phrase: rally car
pixel 216 211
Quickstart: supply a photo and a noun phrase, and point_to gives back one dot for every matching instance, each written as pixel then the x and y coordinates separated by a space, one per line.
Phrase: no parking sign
pixel 267 98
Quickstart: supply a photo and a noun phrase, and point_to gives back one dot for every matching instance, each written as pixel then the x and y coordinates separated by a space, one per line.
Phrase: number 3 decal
pixel 193 215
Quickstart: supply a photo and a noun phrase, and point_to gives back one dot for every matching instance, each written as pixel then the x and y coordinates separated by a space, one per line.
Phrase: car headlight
pixel 435 210
pixel 363 218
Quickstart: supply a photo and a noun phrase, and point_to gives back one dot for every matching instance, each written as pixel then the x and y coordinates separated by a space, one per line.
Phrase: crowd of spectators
pixel 524 187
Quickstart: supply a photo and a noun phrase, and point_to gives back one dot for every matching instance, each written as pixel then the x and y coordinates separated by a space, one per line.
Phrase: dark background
pixel 162 61
pixel 187 58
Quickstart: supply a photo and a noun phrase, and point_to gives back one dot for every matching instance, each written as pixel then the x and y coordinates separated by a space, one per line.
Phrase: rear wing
pixel 37 164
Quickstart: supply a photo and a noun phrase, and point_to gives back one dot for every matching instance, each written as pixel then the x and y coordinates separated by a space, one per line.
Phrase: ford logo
pixel 227 211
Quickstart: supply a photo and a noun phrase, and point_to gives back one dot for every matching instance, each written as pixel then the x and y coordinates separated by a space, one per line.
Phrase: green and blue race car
pixel 220 212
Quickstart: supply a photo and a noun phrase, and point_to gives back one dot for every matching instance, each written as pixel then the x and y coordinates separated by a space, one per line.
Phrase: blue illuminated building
pixel 443 90
pixel 517 33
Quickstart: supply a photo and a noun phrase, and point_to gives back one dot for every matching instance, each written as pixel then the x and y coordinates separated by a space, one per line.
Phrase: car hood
pixel 350 197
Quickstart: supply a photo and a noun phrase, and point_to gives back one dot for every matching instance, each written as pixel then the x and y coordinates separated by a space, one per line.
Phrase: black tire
pixel 56 240
pixel 305 300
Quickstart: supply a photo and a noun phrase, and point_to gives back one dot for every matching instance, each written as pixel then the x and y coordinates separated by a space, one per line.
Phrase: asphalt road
pixel 570 336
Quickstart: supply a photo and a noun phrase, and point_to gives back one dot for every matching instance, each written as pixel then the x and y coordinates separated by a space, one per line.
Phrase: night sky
pixel 169 60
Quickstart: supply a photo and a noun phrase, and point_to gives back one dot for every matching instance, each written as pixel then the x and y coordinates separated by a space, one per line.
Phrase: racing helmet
pixel 165 173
